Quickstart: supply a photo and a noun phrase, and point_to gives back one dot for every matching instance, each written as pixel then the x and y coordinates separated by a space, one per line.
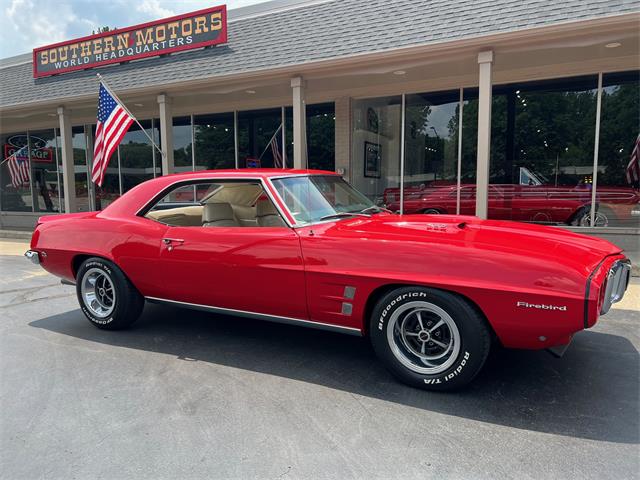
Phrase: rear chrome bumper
pixel 33 256
pixel 617 282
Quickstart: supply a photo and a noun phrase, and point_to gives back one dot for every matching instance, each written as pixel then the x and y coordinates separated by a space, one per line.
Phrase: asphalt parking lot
pixel 190 395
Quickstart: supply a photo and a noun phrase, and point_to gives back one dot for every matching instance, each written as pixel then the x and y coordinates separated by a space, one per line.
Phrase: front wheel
pixel 107 297
pixel 429 338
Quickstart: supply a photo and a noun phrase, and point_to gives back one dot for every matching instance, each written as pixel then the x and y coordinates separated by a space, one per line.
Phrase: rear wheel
pixel 431 211
pixel 106 296
pixel 428 338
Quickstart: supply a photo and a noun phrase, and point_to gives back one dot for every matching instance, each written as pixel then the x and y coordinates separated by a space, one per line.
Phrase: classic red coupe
pixel 431 292
pixel 524 203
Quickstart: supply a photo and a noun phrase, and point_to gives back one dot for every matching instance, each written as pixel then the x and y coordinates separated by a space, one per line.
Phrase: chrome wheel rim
pixel 98 292
pixel 601 220
pixel 423 337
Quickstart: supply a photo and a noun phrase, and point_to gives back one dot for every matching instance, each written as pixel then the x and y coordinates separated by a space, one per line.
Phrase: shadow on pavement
pixel 593 392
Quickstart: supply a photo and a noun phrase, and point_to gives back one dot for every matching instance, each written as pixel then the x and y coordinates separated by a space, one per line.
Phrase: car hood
pixel 553 244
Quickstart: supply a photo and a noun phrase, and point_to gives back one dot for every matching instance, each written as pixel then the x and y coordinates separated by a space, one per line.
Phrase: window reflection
pixel 375 154
pixel 182 144
pixel 431 153
pixel 214 147
pixel 137 157
pixel 79 143
pixel 16 187
pixel 618 183
pixel 44 170
pixel 256 129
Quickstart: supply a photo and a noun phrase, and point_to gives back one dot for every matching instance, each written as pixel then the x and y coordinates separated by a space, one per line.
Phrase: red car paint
pixel 301 272
pixel 523 203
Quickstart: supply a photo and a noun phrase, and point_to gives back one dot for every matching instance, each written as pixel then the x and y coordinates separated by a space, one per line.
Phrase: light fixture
pixel 138 105
pixel 251 92
pixel 399 72
pixel 613 45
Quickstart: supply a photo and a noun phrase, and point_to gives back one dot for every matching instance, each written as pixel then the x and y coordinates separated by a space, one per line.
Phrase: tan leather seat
pixel 218 215
pixel 267 215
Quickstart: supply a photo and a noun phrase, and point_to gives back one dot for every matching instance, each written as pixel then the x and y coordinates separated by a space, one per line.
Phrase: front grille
pixel 616 284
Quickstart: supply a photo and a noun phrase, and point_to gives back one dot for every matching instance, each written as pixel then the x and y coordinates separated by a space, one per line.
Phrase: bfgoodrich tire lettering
pixel 106 296
pixel 429 338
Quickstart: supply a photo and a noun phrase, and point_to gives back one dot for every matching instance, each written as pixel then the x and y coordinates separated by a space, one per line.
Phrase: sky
pixel 27 24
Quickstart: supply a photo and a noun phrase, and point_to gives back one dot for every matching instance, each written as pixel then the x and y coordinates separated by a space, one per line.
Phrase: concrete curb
pixel 15 234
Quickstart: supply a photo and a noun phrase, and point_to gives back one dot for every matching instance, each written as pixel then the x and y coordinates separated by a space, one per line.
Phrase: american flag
pixel 633 168
pixel 18 165
pixel 275 150
pixel 113 123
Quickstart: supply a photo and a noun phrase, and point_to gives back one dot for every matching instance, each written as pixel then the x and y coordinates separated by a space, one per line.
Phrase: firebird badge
pixel 542 306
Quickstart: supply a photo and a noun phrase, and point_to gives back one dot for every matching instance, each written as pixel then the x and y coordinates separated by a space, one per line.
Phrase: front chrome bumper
pixel 617 282
pixel 33 256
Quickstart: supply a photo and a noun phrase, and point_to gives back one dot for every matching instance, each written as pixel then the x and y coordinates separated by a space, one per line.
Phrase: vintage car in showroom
pixel 529 201
pixel 432 293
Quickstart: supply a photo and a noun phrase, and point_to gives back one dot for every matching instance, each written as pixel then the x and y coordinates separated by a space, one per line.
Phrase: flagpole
pixel 269 142
pixel 106 86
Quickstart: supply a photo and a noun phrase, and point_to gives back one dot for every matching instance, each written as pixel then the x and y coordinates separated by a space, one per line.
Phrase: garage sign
pixel 184 32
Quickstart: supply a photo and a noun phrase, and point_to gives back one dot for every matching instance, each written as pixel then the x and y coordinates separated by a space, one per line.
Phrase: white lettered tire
pixel 429 338
pixel 106 296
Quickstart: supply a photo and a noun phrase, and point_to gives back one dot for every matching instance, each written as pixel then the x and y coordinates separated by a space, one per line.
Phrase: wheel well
pixel 78 259
pixel 381 291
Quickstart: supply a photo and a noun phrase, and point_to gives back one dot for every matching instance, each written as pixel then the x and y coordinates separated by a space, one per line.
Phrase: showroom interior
pixel 532 122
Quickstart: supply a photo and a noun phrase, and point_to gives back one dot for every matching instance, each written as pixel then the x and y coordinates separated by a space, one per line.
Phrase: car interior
pixel 223 204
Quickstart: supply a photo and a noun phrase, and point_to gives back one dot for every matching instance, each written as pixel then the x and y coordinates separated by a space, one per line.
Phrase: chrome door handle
pixel 170 241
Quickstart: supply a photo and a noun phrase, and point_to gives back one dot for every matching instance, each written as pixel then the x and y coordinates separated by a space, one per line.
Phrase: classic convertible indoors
pixel 432 292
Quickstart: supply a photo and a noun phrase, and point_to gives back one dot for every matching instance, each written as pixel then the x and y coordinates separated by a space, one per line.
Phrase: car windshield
pixel 315 198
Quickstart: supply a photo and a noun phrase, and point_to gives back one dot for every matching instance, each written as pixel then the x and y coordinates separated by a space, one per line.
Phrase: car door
pixel 248 268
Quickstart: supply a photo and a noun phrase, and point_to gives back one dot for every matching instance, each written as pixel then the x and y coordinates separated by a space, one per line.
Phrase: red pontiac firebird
pixel 431 292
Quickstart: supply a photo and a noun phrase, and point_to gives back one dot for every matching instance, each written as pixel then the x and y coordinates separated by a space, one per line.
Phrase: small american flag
pixel 113 123
pixel 275 150
pixel 18 165
pixel 633 168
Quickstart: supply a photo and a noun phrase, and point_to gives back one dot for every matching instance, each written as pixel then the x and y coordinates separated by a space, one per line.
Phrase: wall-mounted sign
pixel 183 32
pixel 39 150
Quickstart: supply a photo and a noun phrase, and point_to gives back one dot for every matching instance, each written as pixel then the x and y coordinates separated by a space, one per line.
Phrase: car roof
pixel 248 173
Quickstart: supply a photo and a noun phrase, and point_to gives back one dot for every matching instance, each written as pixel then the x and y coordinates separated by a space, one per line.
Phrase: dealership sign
pixel 184 32
pixel 39 151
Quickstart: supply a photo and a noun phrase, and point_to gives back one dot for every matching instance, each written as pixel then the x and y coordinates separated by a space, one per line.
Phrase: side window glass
pixel 223 204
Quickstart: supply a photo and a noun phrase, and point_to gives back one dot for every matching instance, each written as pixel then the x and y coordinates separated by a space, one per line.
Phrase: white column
pixel 68 169
pixel 485 60
pixel 166 134
pixel 299 124
pixel 343 136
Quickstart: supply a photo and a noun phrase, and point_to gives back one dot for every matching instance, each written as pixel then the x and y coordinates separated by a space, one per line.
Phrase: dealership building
pixel 527 111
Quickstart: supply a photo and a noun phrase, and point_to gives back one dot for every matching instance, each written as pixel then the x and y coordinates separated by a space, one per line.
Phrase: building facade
pixel 526 112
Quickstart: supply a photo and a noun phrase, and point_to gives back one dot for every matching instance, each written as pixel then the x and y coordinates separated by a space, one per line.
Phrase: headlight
pixel 615 284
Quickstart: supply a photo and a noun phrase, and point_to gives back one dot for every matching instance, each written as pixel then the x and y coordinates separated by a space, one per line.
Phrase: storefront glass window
pixel 110 189
pixel 375 154
pixel 60 174
pixel 256 128
pixel 137 156
pixel 214 147
pixel 15 186
pixel 321 136
pixel 44 170
pixel 618 182
pixel 431 153
pixel 542 151
pixel 79 143
pixel 182 144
